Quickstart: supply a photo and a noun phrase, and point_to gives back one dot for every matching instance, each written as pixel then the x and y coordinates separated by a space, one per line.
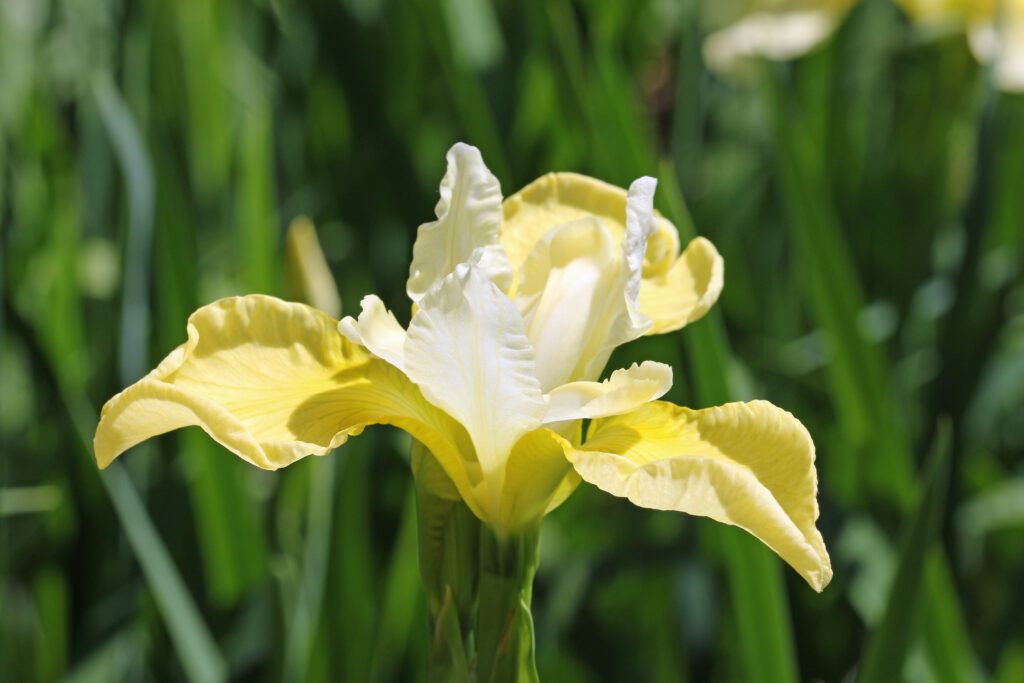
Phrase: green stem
pixel 505 648
pixel 478 582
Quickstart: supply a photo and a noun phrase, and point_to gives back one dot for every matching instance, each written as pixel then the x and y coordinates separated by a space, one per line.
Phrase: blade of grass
pixel 858 370
pixel 228 525
pixel 137 172
pixel 257 228
pixel 302 631
pixel 352 596
pixel 864 401
pixel 887 649
pixel 755 577
pixel 468 95
pixel 402 598
pixel 196 649
pixel 205 38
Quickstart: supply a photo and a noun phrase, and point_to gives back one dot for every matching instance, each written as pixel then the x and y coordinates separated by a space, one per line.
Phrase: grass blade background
pixel 755 579
pixel 887 649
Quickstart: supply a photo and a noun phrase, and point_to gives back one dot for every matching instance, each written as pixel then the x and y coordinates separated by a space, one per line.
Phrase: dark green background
pixel 868 200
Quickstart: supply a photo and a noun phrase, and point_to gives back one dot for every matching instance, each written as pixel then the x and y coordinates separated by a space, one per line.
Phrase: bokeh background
pixel 868 199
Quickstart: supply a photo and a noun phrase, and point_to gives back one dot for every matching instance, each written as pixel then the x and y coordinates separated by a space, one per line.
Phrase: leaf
pixel 887 649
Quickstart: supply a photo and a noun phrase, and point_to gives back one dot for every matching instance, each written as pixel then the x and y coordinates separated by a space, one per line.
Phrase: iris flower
pixel 995 29
pixel 518 304
pixel 776 30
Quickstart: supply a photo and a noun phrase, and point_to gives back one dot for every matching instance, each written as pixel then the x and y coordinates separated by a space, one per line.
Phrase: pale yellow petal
pixel 468 218
pixel 626 390
pixel 468 352
pixel 746 464
pixel 273 382
pixel 377 329
pixel 580 294
pixel 686 291
pixel 768 35
pixel 996 34
pixel 570 294
pixel 558 198
pixel 538 478
pixel 308 271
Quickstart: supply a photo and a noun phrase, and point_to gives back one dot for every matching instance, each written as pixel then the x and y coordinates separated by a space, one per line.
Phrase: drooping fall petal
pixel 468 218
pixel 273 382
pixel 780 31
pixel 746 464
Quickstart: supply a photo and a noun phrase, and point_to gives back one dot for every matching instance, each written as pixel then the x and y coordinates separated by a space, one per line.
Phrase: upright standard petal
pixel 687 291
pixel 273 382
pixel 377 329
pixel 675 290
pixel 569 296
pixel 626 390
pixel 746 464
pixel 468 218
pixel 468 352
pixel 640 225
pixel 558 198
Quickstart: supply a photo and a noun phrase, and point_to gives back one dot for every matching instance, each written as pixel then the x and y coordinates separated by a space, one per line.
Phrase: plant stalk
pixel 478 582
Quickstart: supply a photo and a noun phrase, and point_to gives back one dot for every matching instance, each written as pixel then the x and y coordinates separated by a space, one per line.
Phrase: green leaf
pixel 402 599
pixel 887 649
pixel 309 596
pixel 755 575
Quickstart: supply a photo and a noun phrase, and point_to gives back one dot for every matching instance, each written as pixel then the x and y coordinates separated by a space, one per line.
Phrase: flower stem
pixel 478 582
pixel 505 646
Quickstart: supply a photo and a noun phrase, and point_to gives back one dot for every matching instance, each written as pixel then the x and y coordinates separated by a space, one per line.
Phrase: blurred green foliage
pixel 867 199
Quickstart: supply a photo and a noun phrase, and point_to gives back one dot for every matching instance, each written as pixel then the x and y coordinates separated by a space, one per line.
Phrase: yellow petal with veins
pixel 675 289
pixel 746 464
pixel 558 198
pixel 274 382
pixel 538 478
pixel 687 291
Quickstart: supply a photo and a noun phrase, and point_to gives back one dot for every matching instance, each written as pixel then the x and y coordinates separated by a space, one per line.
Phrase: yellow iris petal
pixel 746 464
pixel 626 390
pixel 685 292
pixel 558 198
pixel 538 478
pixel 274 382
pixel 675 289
